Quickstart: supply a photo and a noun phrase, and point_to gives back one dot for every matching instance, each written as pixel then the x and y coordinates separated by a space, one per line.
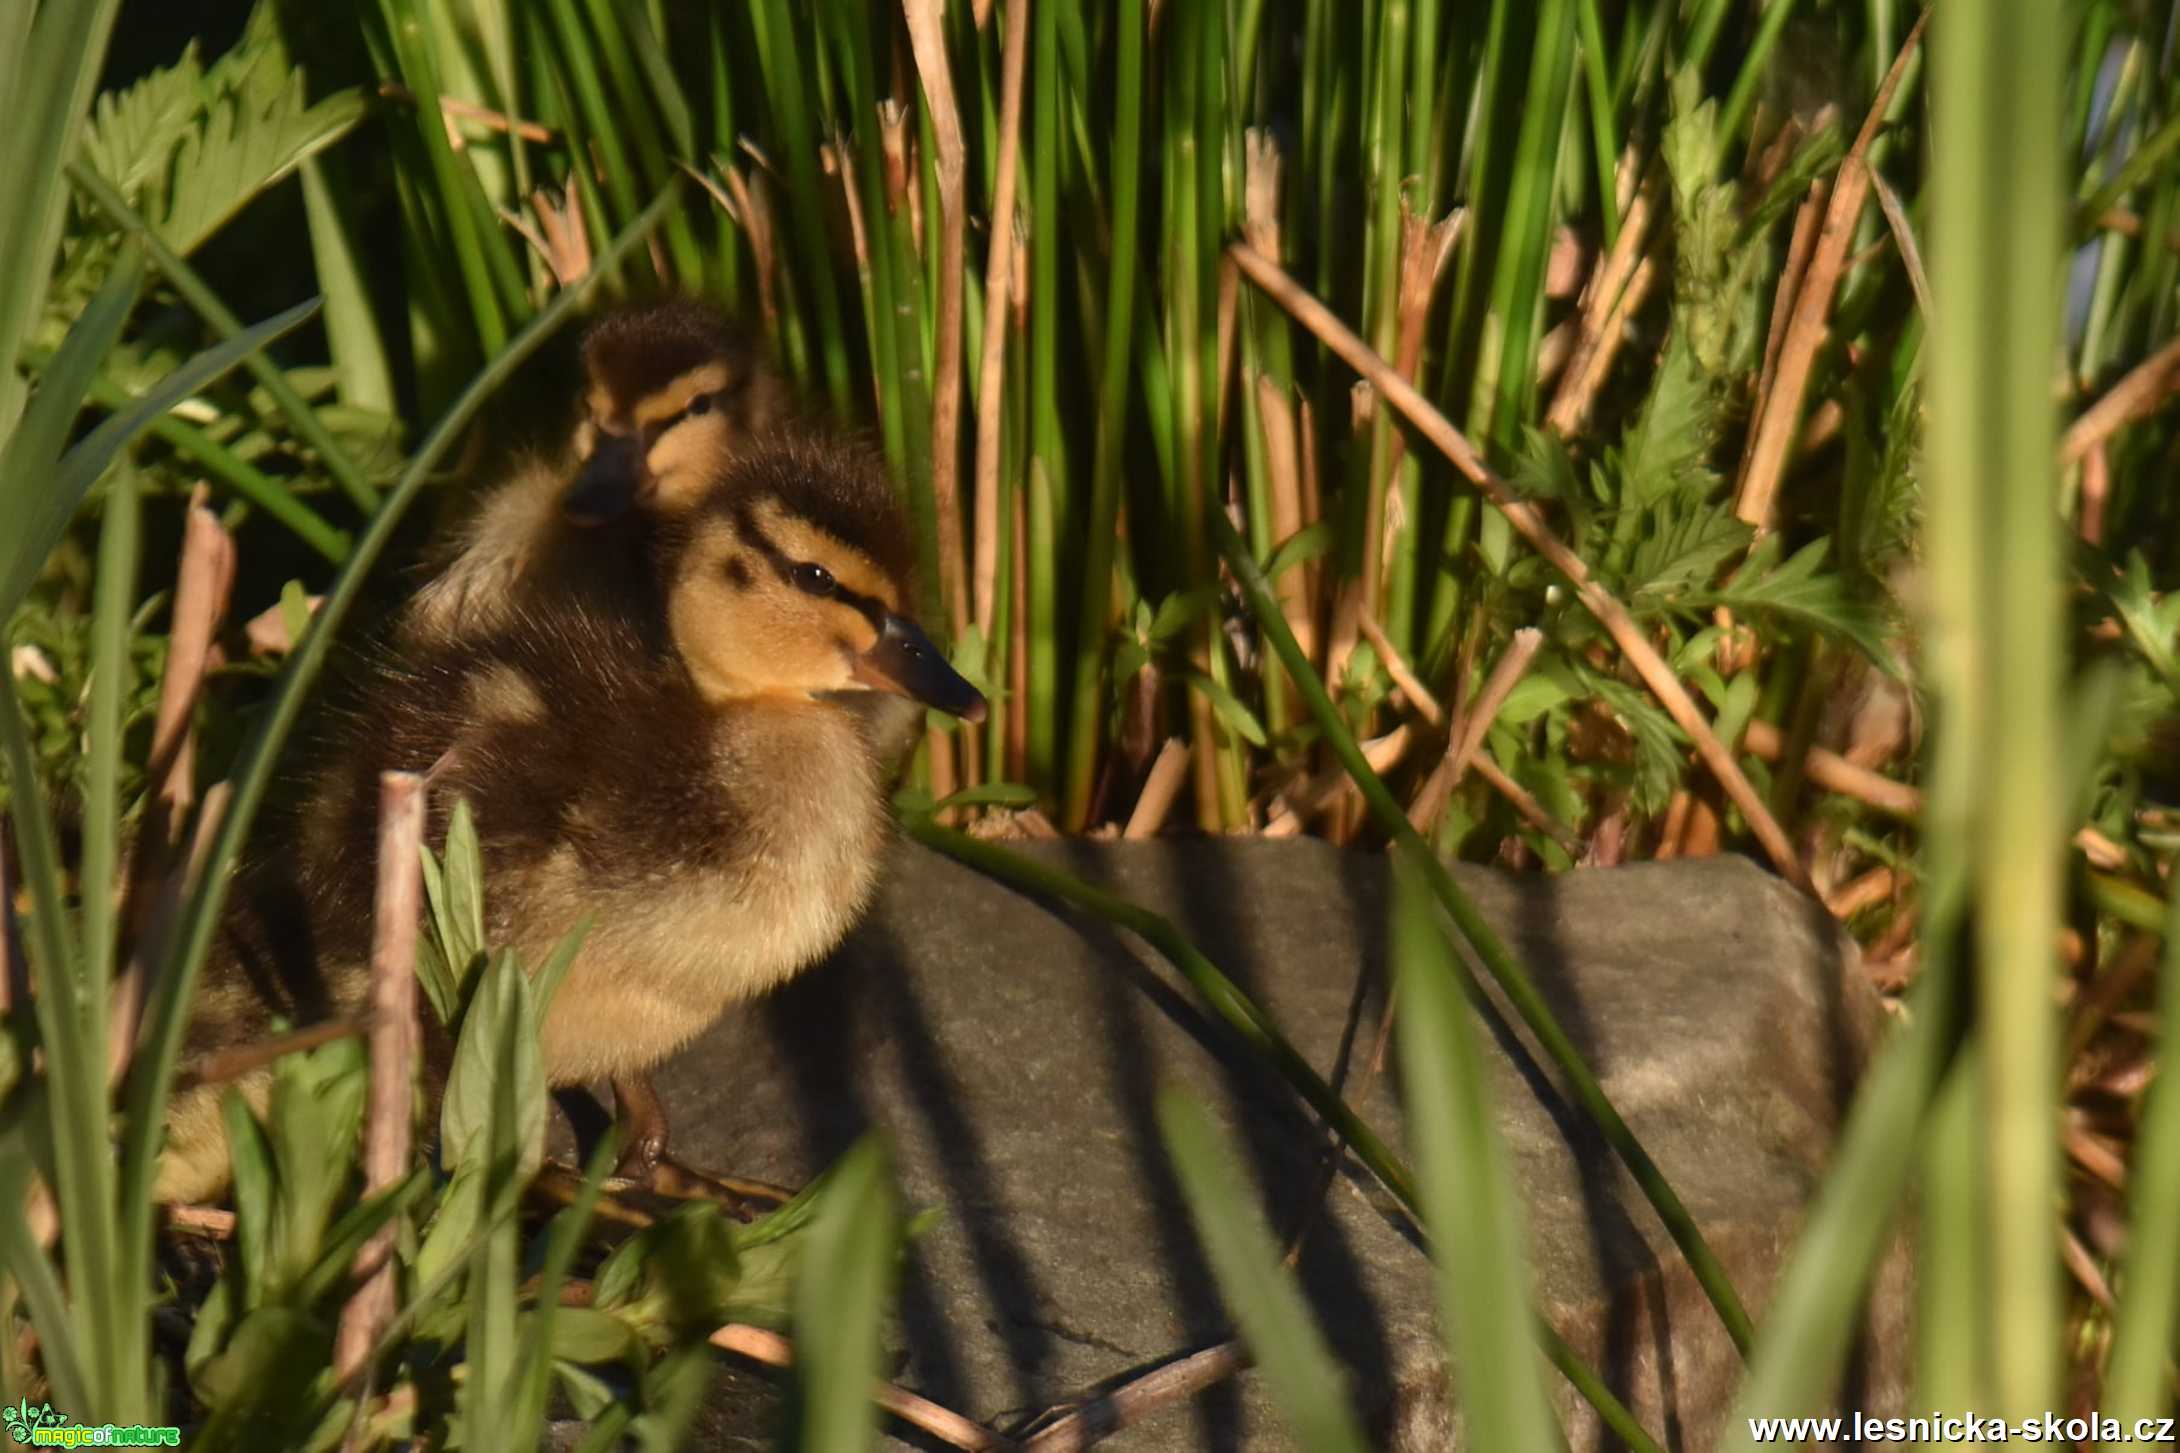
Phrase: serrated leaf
pixel 190 148
pixel 2150 623
pixel 1801 589
pixel 1684 551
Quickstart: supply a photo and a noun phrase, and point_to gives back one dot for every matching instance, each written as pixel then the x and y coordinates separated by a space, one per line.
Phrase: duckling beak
pixel 609 480
pixel 906 662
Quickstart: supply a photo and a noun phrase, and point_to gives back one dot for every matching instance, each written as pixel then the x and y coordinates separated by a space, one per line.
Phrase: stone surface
pixel 1012 1054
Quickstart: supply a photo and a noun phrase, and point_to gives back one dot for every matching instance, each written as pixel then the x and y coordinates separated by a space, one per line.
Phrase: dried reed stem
pixel 1805 333
pixel 1462 746
pixel 1107 1413
pixel 2134 397
pixel 395 1040
pixel 1155 802
pixel 759 1344
pixel 1527 522
pixel 998 275
pixel 927 39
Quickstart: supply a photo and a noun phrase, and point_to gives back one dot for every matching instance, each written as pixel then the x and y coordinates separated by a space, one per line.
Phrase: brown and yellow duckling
pixel 713 804
pixel 670 390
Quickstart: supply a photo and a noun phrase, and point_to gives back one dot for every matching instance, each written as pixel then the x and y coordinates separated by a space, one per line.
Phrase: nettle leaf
pixel 1659 744
pixel 191 147
pixel 1666 451
pixel 2150 623
pixel 502 1009
pixel 1305 544
pixel 1801 589
pixel 1683 552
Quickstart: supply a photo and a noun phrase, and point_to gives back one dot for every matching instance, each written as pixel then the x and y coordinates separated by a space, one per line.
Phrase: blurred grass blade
pixel 81 466
pixel 1298 1366
pixel 48 70
pixel 2136 1383
pixel 1467 1181
pixel 26 464
pixel 841 1300
pixel 1816 1306
pixel 1993 433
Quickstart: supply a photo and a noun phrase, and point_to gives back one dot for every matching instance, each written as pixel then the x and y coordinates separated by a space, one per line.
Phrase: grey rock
pixel 1011 1054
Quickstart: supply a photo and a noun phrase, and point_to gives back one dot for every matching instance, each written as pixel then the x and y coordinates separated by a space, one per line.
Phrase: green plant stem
pixel 1088 701
pixel 300 415
pixel 1493 953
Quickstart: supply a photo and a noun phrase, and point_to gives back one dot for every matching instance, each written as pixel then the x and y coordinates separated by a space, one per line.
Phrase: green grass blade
pixel 1298 1366
pixel 1469 1196
pixel 1992 436
pixel 351 325
pixel 1099 540
pixel 1816 1305
pixel 840 1301
pixel 81 466
pixel 301 416
pixel 54 76
pixel 26 463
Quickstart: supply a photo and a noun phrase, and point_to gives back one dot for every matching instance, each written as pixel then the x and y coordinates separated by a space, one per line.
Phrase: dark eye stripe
pixel 783 565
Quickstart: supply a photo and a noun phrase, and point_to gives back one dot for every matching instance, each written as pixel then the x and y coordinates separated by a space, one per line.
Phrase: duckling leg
pixel 642 1117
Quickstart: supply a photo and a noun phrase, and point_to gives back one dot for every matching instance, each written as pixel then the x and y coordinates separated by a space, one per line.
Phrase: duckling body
pixel 694 777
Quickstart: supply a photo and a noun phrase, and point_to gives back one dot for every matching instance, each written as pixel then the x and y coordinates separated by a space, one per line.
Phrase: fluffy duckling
pixel 670 390
pixel 712 803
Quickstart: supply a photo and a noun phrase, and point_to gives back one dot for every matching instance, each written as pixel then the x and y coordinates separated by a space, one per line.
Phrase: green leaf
pixel 841 1300
pixel 26 464
pixel 1800 589
pixel 1238 718
pixel 86 461
pixel 191 148
pixel 1297 1364
pixel 1306 544
pixel 501 1013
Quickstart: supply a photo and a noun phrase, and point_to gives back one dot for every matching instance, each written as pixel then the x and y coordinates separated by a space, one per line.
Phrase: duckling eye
pixel 815 580
pixel 701 405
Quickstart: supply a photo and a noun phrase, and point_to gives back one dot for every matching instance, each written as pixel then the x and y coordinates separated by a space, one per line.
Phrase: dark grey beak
pixel 905 661
pixel 608 483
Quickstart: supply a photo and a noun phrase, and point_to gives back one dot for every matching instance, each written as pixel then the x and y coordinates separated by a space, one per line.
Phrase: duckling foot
pixel 644 1161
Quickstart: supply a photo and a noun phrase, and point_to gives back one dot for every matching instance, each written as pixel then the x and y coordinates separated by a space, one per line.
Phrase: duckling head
pixel 791 577
pixel 670 388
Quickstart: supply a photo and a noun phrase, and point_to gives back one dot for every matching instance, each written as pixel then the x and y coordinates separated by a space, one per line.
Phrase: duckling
pixel 714 804
pixel 670 389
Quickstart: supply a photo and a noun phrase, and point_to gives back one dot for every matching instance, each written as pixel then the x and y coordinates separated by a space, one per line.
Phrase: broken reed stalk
pixel 927 39
pixel 1805 333
pixel 1461 747
pixel 1603 311
pixel 760 1344
pixel 2134 397
pixel 992 359
pixel 1530 525
pixel 1094 1418
pixel 1155 802
pixel 395 1039
pixel 203 582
